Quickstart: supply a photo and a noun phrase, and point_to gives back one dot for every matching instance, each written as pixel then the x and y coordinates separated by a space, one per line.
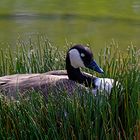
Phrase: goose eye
pixel 82 55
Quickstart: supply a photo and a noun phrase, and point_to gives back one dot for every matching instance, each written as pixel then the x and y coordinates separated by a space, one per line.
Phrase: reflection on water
pixel 83 22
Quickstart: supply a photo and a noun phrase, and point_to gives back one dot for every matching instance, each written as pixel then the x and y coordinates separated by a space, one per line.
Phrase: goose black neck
pixel 76 75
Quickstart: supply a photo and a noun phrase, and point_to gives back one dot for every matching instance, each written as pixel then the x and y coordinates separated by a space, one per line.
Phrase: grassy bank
pixel 81 116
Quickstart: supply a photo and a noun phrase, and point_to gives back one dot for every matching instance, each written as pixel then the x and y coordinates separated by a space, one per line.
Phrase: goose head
pixel 80 56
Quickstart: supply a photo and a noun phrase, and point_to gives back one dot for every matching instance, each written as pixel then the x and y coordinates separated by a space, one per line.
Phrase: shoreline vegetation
pixel 81 116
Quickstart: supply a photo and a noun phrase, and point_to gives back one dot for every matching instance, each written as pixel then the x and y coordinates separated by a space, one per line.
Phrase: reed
pixel 81 116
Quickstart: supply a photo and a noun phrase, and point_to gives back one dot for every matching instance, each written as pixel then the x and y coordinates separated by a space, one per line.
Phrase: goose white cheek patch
pixel 75 59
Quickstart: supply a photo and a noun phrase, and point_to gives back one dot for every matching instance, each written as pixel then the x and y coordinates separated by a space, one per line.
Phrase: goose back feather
pixel 53 81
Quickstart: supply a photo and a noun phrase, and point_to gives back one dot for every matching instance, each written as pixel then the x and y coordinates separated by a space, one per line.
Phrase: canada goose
pixel 77 56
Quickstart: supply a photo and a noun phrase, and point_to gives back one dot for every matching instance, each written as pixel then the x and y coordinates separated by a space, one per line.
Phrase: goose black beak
pixel 94 66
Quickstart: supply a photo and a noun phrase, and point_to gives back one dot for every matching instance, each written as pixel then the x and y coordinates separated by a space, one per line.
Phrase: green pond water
pixel 94 22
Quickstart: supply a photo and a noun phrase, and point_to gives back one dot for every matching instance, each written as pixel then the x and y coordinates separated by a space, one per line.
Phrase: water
pixel 90 22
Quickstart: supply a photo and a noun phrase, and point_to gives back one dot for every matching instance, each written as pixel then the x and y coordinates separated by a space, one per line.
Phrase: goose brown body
pixel 44 83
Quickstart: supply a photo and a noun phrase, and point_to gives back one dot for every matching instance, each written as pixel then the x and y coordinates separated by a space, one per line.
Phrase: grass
pixel 81 116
